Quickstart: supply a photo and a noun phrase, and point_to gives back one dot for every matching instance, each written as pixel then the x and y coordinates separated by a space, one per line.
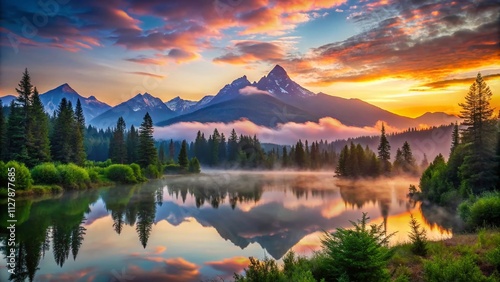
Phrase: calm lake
pixel 192 228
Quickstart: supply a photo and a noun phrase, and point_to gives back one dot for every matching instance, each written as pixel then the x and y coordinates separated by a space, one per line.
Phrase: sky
pixel 408 57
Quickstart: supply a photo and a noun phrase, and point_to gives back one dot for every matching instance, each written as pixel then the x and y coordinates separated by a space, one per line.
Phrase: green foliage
pixel 418 238
pixel 183 158
pixel 433 182
pixel 137 172
pixel 493 257
pixel 121 173
pixel 21 176
pixel 93 174
pixel 354 161
pixel 483 211
pixel 73 176
pixel 194 165
pixel 173 169
pixel 384 153
pixel 361 253
pixel 261 271
pixel 45 173
pixel 117 146
pixel 152 172
pixel 147 154
pixel 453 269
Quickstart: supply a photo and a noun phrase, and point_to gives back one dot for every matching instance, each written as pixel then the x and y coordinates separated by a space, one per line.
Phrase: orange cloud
pixel 230 265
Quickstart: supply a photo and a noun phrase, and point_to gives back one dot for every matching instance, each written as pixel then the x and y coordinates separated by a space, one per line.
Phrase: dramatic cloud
pixel 247 52
pixel 289 133
pixel 229 266
pixel 407 39
pixel 450 82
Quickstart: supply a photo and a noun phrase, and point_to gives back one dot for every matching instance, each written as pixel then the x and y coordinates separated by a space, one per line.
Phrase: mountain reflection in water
pixel 187 228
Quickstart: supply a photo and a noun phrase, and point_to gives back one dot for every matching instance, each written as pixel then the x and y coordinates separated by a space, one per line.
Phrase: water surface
pixel 192 228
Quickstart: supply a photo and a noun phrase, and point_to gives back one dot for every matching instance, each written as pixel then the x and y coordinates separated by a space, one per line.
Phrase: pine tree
pixel 455 138
pixel 222 149
pixel 233 147
pixel 478 170
pixel 38 147
pixel 425 163
pixel 132 144
pixel 300 155
pixel 398 161
pixel 147 150
pixel 79 154
pixel 214 148
pixel 409 165
pixel 341 169
pixel 284 158
pixel 384 153
pixel 171 150
pixel 182 158
pixel 118 147
pixel 194 165
pixel 15 148
pixel 62 139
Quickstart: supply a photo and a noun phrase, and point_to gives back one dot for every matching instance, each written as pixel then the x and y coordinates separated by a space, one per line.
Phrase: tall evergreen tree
pixel 183 158
pixel 478 170
pixel 118 146
pixel 38 147
pixel 409 165
pixel 15 142
pixel 79 154
pixel 284 158
pixel 171 150
pixel 233 147
pixel 147 151
pixel 384 153
pixel 455 138
pixel 62 136
pixel 300 155
pixel 132 145
pixel 222 149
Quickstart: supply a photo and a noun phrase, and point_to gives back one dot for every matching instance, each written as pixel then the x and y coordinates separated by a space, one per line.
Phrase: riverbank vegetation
pixel 48 153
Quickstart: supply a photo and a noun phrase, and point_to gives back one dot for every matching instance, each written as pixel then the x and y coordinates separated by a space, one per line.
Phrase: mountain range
pixel 274 99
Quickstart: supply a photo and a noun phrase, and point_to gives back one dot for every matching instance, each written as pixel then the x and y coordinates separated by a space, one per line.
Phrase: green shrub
pixel 194 165
pixel 261 271
pixel 359 254
pixel 73 176
pixel 121 173
pixel 151 171
pixel 452 269
pixel 137 172
pixel 173 169
pixel 45 173
pixel 493 257
pixel 20 176
pixel 418 238
pixel 93 174
pixel 483 211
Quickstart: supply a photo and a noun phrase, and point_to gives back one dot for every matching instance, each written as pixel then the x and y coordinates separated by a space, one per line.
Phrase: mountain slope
pixel 260 109
pixel 7 99
pixel 91 106
pixel 281 86
pixel 230 91
pixel 181 106
pixel 133 112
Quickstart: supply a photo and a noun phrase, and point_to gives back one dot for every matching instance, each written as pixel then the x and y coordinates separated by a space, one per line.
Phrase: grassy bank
pixel 361 253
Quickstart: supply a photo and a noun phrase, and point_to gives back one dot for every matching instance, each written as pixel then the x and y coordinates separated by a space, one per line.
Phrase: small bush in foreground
pixel 137 172
pixel 462 269
pixel 121 173
pixel 418 238
pixel 45 173
pixel 359 254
